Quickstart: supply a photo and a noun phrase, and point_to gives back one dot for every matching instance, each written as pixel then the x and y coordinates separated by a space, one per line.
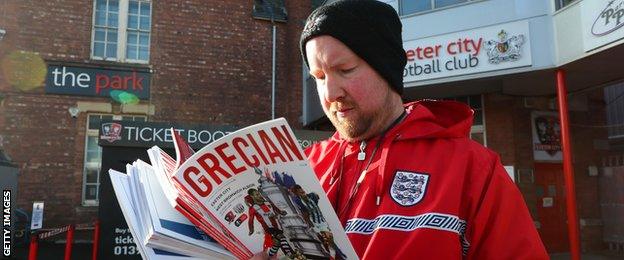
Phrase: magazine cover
pixel 257 186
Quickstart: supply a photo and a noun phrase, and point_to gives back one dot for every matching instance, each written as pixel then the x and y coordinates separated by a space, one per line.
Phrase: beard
pixel 356 127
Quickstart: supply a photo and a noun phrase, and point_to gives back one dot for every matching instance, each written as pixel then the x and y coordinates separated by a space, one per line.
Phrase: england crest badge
pixel 408 188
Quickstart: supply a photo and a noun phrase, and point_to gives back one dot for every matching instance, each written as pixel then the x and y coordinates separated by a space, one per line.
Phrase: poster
pixel 546 132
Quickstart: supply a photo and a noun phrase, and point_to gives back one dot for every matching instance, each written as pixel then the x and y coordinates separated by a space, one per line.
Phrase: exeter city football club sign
pixel 485 49
pixel 96 82
pixel 602 22
pixel 546 136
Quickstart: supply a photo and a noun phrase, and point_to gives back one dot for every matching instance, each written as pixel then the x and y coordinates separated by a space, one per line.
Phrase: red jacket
pixel 440 194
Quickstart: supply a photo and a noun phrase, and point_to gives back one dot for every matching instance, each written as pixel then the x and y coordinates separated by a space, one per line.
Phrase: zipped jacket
pixel 429 191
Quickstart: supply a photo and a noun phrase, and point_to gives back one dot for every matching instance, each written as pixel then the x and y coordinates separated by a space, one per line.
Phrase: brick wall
pixel 211 64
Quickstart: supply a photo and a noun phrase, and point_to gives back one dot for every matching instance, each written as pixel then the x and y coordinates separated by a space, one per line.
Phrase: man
pixel 405 180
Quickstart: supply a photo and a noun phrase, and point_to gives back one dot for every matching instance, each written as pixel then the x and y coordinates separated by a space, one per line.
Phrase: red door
pixel 551 209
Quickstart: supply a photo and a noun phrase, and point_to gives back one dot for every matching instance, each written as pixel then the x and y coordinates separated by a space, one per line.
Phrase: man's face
pixel 257 197
pixel 354 96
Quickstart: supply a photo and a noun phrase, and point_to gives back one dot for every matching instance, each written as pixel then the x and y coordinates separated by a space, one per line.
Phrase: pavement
pixel 588 256
pixel 53 251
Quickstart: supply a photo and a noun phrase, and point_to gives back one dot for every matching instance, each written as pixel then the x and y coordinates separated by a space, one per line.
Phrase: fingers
pixel 260 256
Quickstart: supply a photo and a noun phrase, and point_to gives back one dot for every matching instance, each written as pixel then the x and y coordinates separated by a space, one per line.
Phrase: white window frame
pixel 560 4
pixel 96 165
pixel 122 33
pixel 433 7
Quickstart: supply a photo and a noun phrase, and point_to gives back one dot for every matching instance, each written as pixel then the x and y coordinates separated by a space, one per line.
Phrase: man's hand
pixel 263 256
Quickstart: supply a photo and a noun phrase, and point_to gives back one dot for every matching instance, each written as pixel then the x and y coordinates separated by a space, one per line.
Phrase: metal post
pixel 568 170
pixel 96 239
pixel 32 251
pixel 69 242
pixel 273 74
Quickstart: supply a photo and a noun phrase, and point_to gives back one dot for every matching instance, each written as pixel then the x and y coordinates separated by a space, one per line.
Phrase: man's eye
pixel 346 71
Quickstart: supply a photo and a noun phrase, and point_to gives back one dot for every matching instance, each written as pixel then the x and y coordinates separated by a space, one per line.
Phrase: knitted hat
pixel 371 29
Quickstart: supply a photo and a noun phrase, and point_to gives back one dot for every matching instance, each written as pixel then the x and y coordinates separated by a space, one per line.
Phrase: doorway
pixel 551 208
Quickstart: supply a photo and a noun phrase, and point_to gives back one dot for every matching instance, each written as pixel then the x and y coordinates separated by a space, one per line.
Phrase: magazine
pixel 162 229
pixel 121 184
pixel 250 191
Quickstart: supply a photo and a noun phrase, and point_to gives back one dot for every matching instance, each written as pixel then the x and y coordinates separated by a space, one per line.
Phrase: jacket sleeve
pixel 499 225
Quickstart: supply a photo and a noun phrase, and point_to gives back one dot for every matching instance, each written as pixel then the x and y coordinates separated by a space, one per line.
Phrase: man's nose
pixel 333 88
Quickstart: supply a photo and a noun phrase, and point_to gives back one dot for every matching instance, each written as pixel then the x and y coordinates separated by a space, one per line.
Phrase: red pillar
pixel 70 241
pixel 96 239
pixel 32 251
pixel 568 170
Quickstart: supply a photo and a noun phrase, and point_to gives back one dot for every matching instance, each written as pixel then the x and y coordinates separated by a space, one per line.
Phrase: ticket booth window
pixel 93 156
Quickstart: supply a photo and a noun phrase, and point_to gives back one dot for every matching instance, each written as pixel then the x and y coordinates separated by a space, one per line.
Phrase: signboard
pixel 490 48
pixel 37 215
pixel 96 82
pixel 546 136
pixel 602 22
pixel 147 134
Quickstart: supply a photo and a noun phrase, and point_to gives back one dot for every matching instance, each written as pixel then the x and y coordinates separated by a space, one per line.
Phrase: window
pixel 93 156
pixel 614 100
pixel 121 30
pixel 273 10
pixel 477 131
pixel 416 6
pixel 562 3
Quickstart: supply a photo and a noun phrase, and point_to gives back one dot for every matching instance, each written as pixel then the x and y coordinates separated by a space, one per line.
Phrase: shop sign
pixel 602 22
pixel 546 136
pixel 485 49
pixel 96 82
pixel 148 134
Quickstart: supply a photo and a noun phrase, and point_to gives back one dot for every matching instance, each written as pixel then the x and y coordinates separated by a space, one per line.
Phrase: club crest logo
pixel 408 188
pixel 549 134
pixel 111 132
pixel 507 49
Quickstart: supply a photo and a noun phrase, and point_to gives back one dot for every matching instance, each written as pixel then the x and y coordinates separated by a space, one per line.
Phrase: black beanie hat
pixel 371 29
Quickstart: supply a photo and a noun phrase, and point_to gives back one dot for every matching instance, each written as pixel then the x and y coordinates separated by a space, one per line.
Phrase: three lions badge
pixel 408 188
